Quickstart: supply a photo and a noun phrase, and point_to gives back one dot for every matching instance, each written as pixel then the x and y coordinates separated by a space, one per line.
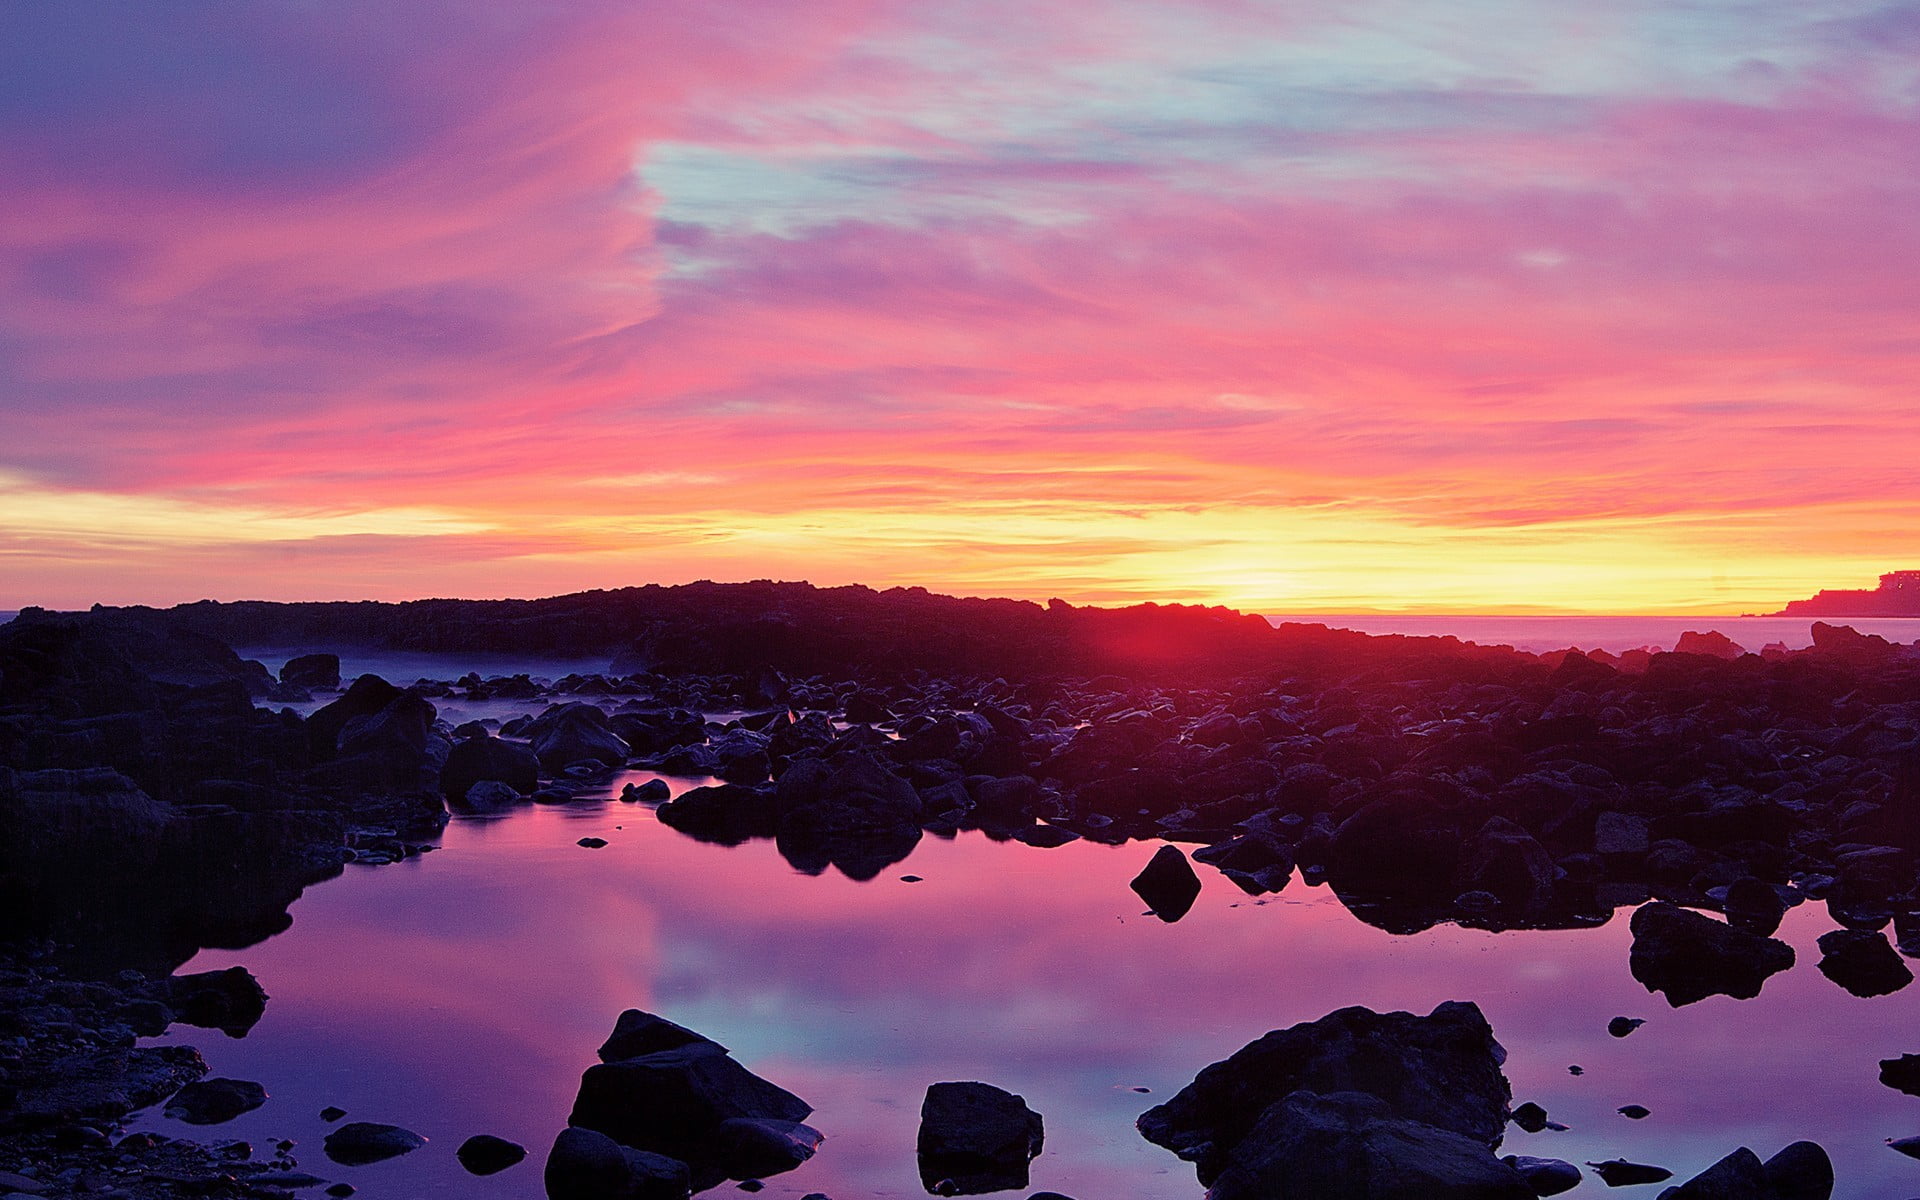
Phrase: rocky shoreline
pixel 153 801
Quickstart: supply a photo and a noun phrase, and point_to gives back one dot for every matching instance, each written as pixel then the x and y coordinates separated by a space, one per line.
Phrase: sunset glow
pixel 1301 307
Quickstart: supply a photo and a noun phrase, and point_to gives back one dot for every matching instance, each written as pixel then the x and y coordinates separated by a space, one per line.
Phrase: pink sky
pixel 1300 307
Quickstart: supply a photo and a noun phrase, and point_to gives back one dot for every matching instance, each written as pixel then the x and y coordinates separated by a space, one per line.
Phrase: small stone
pixel 1618 1172
pixel 1530 1117
pixel 331 1114
pixel 1622 1026
pixel 1634 1112
pixel 1546 1176
pixel 910 879
pixel 341 1190
pixel 360 1142
pixel 484 1154
pixel 212 1101
pixel 592 843
pixel 1576 1070
pixel 1909 1146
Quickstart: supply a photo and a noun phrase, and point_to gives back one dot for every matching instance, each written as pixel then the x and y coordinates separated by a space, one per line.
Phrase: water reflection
pixel 465 992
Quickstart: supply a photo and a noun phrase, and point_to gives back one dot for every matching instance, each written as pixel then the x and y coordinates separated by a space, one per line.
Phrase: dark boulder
pixel 675 1101
pixel 360 1142
pixel 1902 1074
pixel 211 1101
pixel 1167 883
pixel 312 671
pixel 1509 863
pixel 1863 962
pixel 1622 1026
pixel 1441 1070
pixel 584 1165
pixel 1618 1172
pixel 1801 1171
pixel 484 759
pixel 485 1154
pixel 1349 1146
pixel 1689 957
pixel 365 697
pixel 1257 863
pixel 1738 1176
pixel 231 1001
pixel 636 1033
pixel 575 733
pixel 1546 1176
pixel 725 813
pixel 975 1138
pixel 755 1147
pixel 850 812
pixel 1754 906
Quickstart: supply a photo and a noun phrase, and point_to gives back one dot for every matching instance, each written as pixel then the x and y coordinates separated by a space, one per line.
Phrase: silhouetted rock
pixel 231 1001
pixel 317 671
pixel 850 811
pixel 1545 1176
pixel 1441 1070
pixel 1167 883
pixel 1754 906
pixel 1712 643
pixel 1530 1117
pixel 360 1142
pixel 491 759
pixel 575 733
pixel 1618 1172
pixel 675 1100
pixel 1738 1176
pixel 1690 957
pixel 975 1138
pixel 485 1154
pixel 1862 962
pixel 1902 1074
pixel 753 1147
pixel 584 1165
pixel 1800 1171
pixel 211 1101
pixel 1622 1026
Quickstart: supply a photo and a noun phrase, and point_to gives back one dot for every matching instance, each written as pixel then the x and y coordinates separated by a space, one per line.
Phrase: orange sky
pixel 1302 308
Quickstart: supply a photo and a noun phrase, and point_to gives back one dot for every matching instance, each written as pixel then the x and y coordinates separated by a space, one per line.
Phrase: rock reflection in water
pixel 490 969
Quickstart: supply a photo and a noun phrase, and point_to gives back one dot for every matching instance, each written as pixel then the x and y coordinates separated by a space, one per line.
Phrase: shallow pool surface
pixel 465 991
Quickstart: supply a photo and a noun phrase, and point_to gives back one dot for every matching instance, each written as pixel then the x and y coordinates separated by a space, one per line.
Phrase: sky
pixel 1295 305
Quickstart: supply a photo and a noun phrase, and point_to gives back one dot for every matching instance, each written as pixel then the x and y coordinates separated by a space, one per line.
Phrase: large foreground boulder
pixel 488 759
pixel 682 1095
pixel 1349 1146
pixel 584 1165
pixel 1801 1171
pixel 1689 956
pixel 1440 1070
pixel 975 1138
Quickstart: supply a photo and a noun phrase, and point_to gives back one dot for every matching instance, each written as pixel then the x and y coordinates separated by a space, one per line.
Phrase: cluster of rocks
pixel 1362 1105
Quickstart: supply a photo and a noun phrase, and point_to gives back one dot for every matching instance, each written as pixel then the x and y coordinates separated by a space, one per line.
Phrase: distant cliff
pixel 1897 596
pixel 796 628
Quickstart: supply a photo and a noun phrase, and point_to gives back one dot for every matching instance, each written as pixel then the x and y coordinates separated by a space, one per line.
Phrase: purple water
pixel 465 991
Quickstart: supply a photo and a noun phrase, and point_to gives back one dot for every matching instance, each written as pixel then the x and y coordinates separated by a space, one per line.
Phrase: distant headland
pixel 1897 596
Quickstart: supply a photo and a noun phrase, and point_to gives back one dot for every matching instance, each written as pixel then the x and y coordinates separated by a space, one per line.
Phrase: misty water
pixel 465 991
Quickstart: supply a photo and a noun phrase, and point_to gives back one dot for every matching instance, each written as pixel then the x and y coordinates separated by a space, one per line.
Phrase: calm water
pixel 465 992
pixel 1538 634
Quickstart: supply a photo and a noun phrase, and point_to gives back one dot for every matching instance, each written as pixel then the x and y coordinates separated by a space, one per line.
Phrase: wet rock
pixel 1618 834
pixel 489 796
pixel 653 791
pixel 585 1165
pixel 1689 957
pixel 1545 1176
pixel 636 1033
pixel 727 813
pixel 1622 1026
pixel 1754 906
pixel 1800 1171
pixel 106 1083
pixel 850 811
pixel 1634 1112
pixel 751 1148
pixel 1257 863
pixel 1348 1146
pixel 211 1101
pixel 975 1138
pixel 332 1113
pixel 321 671
pixel 592 843
pixel 1738 1176
pixel 485 1154
pixel 1441 1070
pixel 572 733
pixel 1862 962
pixel 1167 883
pixel 1530 1117
pixel 1509 863
pixel 1618 1172
pixel 360 1142
pixel 1902 1074
pixel 1909 1146
pixel 488 759
pixel 674 1102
